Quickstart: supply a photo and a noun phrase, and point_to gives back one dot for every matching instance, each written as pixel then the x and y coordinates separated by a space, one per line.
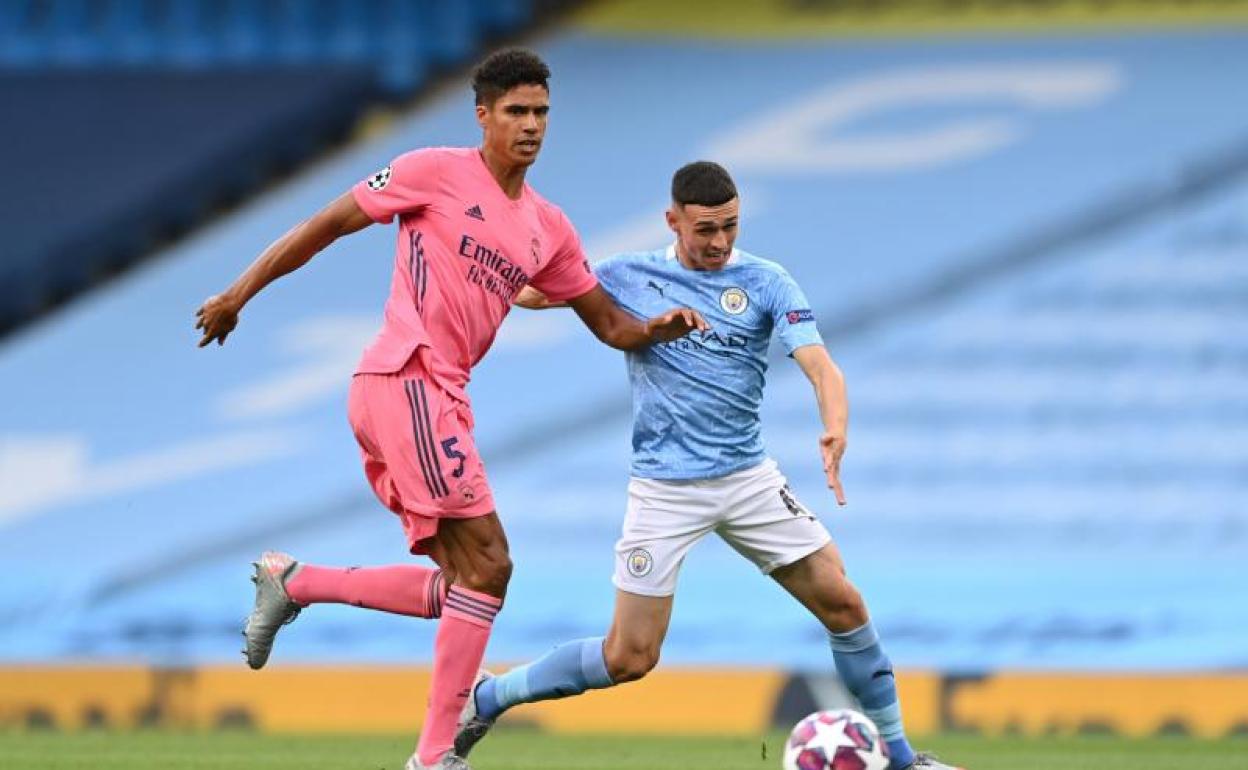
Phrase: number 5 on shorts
pixel 448 449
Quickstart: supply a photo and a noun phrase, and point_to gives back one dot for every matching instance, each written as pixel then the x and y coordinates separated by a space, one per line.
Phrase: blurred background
pixel 1023 227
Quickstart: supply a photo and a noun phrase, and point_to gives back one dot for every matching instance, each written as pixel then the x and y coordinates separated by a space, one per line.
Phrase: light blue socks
pixel 868 673
pixel 569 669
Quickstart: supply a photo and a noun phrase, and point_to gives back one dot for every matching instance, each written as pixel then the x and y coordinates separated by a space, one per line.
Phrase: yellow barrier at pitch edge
pixel 364 699
pixel 391 700
pixel 1207 706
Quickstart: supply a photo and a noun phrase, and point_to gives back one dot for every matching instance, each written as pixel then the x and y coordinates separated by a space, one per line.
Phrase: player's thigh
pixel 419 452
pixel 429 434
pixel 663 521
pixel 636 636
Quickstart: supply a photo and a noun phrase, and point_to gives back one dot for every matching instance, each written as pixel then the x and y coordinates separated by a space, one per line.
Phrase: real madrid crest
pixel 734 300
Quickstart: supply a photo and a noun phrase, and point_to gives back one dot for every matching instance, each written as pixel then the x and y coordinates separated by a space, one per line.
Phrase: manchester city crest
pixel 640 562
pixel 734 300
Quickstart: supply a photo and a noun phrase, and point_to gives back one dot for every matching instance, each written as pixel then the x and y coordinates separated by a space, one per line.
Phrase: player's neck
pixel 683 258
pixel 510 178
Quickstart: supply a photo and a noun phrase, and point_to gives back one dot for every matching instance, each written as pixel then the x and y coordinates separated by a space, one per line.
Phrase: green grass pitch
pixel 522 750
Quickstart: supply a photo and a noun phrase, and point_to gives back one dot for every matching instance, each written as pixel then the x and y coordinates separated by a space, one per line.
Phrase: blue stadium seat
pixel 23 34
pixel 247 32
pixel 451 31
pixel 499 17
pixel 190 33
pixel 404 46
pixel 130 32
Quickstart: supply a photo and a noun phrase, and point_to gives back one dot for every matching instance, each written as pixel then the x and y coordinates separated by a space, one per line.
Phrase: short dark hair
pixel 702 183
pixel 504 70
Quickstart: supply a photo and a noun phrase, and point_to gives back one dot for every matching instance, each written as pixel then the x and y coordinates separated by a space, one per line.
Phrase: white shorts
pixel 753 510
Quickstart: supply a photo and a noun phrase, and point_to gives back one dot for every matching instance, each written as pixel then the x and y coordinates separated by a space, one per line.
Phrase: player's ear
pixel 672 221
pixel 482 113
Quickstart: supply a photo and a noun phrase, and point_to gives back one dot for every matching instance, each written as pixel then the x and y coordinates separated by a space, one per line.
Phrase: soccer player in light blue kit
pixel 699 466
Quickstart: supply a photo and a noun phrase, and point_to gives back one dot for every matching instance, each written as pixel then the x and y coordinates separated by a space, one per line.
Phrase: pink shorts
pixel 418 451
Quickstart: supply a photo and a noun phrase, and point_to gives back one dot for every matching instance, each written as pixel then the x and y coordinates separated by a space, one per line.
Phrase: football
pixel 835 740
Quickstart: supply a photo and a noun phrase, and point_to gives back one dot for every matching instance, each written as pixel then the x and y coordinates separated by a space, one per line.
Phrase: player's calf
pixel 841 608
pixel 569 669
pixel 627 662
pixel 819 582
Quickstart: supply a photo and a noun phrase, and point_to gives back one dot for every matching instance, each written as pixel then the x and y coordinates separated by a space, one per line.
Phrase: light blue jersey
pixel 696 400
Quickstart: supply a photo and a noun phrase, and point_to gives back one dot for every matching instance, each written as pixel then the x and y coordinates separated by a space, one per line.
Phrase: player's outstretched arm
pixel 219 314
pixel 622 331
pixel 829 385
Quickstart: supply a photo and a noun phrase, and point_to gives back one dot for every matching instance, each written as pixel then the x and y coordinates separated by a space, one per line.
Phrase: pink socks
pixel 458 649
pixel 402 589
pixel 467 617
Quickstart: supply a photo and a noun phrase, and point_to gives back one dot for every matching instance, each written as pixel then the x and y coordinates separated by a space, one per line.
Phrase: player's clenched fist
pixel 217 317
pixel 675 324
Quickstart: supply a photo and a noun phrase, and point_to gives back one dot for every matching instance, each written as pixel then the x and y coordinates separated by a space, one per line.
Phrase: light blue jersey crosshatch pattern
pixel 696 400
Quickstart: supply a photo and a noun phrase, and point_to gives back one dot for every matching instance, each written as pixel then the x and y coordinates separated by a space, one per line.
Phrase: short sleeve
pixel 609 274
pixel 407 184
pixel 567 275
pixel 792 317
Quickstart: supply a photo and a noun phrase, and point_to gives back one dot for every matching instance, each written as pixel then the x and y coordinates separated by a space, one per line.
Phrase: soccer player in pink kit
pixel 471 234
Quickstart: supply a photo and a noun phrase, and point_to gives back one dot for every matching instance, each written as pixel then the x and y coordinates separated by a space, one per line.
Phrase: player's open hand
pixel 675 324
pixel 832 446
pixel 217 317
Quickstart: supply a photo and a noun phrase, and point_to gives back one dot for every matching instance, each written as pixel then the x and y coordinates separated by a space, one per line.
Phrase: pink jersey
pixel 464 250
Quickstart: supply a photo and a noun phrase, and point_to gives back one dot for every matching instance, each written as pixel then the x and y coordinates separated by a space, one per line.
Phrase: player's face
pixel 515 124
pixel 704 234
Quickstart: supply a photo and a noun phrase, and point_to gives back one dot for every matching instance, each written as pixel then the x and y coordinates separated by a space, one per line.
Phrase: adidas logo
pixel 475 213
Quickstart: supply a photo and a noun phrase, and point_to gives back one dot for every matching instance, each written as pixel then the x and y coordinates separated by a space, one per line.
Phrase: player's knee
pixel 631 664
pixel 844 607
pixel 489 572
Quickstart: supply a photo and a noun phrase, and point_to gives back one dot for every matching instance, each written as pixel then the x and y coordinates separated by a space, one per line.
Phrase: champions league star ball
pixel 835 740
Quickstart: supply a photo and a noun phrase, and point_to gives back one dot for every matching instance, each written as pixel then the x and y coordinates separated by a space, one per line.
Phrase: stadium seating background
pixel 1046 466
pixel 129 122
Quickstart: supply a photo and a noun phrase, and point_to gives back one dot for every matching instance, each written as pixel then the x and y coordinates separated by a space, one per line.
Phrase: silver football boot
pixel 448 762
pixel 472 728
pixel 274 608
pixel 925 761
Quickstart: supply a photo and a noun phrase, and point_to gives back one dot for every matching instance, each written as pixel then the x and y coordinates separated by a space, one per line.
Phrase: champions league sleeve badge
pixel 378 181
pixel 734 300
